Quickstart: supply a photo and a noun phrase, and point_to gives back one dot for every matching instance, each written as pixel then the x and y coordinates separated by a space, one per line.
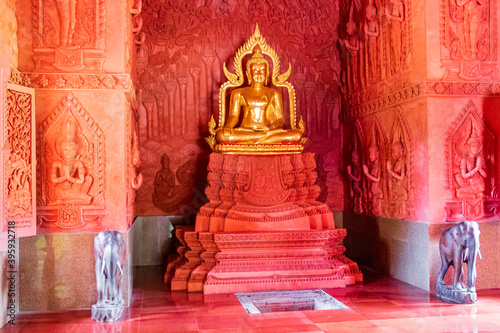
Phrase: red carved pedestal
pixel 263 229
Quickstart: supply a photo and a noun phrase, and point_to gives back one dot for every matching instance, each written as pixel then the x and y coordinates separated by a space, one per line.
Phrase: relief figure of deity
pixel 471 23
pixel 351 43
pixel 67 20
pixel 372 32
pixel 71 183
pixel 373 171
pixel 354 172
pixel 397 172
pixel 395 13
pixel 471 179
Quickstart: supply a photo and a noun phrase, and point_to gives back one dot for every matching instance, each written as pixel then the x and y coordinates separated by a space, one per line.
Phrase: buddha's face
pixel 258 72
pixel 68 150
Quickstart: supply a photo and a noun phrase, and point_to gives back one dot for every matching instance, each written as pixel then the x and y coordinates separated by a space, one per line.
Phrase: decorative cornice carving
pixel 427 88
pixel 73 81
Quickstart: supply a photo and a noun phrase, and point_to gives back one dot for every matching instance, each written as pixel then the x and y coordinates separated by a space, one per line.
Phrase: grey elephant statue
pixel 109 253
pixel 458 245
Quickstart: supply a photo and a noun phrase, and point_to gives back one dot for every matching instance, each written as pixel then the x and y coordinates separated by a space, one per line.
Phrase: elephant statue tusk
pixel 120 267
pixel 479 252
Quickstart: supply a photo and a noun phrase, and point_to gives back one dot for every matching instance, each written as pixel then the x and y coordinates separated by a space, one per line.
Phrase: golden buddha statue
pixel 261 128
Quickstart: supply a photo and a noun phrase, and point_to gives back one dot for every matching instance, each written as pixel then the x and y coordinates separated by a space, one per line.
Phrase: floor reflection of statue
pixel 397 172
pixel 263 117
pixel 395 12
pixel 374 174
pixel 71 183
pixel 470 25
pixel 67 20
pixel 472 169
pixel 354 173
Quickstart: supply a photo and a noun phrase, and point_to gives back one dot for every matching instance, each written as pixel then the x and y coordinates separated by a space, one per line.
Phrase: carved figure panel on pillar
pixel 468 39
pixel 68 35
pixel 17 137
pixel 395 13
pixel 471 181
pixel 72 174
pixel 354 170
pixel 372 33
pixel 351 44
pixel 399 169
pixel 385 48
pixel 374 171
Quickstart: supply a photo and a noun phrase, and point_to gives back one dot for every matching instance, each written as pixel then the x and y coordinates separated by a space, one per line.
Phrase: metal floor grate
pixel 288 300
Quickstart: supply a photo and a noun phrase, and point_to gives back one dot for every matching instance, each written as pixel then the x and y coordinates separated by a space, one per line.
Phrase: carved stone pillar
pixel 195 71
pixel 171 85
pixel 182 81
pixel 160 104
pixel 208 60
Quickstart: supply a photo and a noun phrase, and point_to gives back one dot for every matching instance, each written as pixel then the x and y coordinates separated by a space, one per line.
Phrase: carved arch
pixel 459 131
pixel 91 148
pixel 401 131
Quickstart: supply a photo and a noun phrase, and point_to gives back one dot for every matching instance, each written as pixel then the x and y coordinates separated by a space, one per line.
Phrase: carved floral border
pixel 427 88
pixel 77 81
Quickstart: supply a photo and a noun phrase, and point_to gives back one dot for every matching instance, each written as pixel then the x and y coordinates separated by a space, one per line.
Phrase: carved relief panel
pixel 179 74
pixel 469 38
pixel 17 171
pixel 355 171
pixel 471 187
pixel 69 35
pixel 400 169
pixel 71 168
pixel 374 171
pixel 375 37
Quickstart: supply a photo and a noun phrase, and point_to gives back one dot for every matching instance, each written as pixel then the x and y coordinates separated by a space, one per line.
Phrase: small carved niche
pixel 400 168
pixel 470 168
pixel 71 168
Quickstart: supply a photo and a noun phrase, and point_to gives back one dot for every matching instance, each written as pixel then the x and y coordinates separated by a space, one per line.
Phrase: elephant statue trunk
pixel 459 245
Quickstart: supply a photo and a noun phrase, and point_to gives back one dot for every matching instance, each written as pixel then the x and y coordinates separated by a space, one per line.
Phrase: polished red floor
pixel 381 304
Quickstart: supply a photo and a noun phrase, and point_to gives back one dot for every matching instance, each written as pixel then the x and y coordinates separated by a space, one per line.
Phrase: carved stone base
pixel 178 259
pixel 277 260
pixel 447 294
pixel 471 209
pixel 57 218
pixel 107 313
pixel 183 273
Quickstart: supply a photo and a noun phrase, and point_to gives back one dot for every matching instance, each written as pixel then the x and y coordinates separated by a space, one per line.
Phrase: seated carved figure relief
pixel 70 180
pixel 71 172
pixel 254 122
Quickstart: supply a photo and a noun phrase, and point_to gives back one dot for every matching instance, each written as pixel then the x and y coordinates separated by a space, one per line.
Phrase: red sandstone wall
pixel 179 73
